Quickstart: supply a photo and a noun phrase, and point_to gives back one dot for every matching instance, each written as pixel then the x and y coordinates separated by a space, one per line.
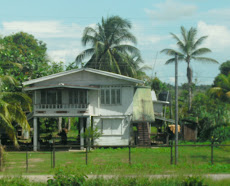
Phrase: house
pixel 100 99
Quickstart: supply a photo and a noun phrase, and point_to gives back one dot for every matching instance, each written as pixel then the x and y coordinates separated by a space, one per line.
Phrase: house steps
pixel 143 134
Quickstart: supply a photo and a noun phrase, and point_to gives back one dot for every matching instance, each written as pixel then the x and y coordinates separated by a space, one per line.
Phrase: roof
pixel 61 85
pixel 143 106
pixel 104 73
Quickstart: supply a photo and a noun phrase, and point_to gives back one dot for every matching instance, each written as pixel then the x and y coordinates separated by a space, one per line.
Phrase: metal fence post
pixel 1 157
pixel 212 153
pixel 27 162
pixel 86 153
pixel 53 154
pixel 129 153
pixel 171 155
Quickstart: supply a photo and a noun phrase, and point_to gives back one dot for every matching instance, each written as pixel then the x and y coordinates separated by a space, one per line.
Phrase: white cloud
pixel 171 10
pixel 44 29
pixel 218 36
pixel 64 55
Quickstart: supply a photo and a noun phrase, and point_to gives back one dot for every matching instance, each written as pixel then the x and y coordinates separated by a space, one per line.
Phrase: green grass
pixel 192 160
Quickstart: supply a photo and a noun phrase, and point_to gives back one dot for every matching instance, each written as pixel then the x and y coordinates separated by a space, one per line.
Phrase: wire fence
pixel 26 160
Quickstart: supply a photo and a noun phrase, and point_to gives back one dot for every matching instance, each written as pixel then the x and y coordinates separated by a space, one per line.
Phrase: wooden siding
pixel 115 131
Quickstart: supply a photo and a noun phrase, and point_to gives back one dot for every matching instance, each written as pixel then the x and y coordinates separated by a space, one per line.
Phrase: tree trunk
pixel 189 76
pixel 59 124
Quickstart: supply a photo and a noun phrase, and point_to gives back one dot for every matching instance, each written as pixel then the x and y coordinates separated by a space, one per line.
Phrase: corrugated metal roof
pixel 143 105
pixel 110 74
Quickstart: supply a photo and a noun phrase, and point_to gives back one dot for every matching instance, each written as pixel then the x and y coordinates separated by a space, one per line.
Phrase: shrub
pixel 67 177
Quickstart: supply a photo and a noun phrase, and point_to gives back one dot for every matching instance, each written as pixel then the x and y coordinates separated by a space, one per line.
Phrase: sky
pixel 60 24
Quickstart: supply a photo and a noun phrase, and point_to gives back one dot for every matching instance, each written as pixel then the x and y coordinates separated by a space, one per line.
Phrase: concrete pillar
pixel 35 138
pixel 82 133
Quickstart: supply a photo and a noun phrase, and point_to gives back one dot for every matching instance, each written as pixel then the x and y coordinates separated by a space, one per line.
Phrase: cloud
pixel 44 29
pixel 64 55
pixel 171 10
pixel 218 36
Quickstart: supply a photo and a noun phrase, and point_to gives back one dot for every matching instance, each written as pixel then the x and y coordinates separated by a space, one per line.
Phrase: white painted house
pixel 105 99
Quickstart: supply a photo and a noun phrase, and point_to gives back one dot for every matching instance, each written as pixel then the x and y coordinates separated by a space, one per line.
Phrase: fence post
pixel 27 162
pixel 1 153
pixel 86 153
pixel 171 155
pixel 212 153
pixel 53 154
pixel 129 153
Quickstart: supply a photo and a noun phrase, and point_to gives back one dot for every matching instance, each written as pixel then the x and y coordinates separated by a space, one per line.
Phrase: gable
pixel 84 77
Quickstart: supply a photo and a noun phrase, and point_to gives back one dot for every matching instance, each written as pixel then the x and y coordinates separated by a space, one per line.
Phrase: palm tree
pixel 189 50
pixel 12 106
pixel 109 49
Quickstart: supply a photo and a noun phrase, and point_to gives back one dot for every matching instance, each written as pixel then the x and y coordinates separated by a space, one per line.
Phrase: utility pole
pixel 176 108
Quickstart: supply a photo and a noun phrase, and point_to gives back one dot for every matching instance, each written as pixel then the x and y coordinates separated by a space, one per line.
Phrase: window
pixel 77 96
pixel 51 96
pixel 111 95
pixel 112 126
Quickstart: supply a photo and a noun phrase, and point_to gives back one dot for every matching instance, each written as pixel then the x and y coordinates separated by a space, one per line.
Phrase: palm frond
pixel 205 59
pixel 199 42
pixel 201 51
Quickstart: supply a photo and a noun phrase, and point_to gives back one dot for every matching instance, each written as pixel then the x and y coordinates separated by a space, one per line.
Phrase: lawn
pixel 192 160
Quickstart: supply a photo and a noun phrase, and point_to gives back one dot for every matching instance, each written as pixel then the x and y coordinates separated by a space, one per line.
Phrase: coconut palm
pixel 109 48
pixel 12 106
pixel 189 50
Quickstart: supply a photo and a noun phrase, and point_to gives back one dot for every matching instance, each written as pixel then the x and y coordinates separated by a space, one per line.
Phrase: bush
pixel 193 181
pixel 66 176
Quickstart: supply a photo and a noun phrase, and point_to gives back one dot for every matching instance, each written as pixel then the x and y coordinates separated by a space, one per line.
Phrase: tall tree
pixel 189 50
pixel 109 49
pixel 24 49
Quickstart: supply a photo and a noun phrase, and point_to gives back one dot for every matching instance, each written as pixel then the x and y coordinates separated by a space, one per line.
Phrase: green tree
pixel 108 49
pixel 225 68
pixel 23 49
pixel 189 50
pixel 221 87
pixel 12 107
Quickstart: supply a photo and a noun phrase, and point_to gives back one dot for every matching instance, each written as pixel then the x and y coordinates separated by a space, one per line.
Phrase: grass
pixel 174 181
pixel 145 161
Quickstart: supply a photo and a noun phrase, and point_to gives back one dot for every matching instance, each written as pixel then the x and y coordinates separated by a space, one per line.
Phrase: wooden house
pixel 100 99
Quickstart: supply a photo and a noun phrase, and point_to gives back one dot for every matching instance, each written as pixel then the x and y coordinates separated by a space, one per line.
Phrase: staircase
pixel 143 134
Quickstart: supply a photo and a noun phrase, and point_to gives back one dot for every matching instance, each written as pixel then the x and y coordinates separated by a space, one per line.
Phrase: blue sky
pixel 60 25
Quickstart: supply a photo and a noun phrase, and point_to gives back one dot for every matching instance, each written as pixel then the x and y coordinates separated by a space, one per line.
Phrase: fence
pixel 56 154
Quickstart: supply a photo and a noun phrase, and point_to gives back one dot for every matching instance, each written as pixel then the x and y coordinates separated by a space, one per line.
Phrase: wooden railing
pixel 61 106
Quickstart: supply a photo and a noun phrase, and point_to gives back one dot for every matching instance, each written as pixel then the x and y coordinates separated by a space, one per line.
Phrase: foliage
pixel 158 86
pixel 27 51
pixel 213 117
pixel 221 87
pixel 108 51
pixel 17 181
pixel 193 181
pixel 188 50
pixel 92 133
pixel 47 125
pixel 12 107
pixel 67 177
pixel 225 68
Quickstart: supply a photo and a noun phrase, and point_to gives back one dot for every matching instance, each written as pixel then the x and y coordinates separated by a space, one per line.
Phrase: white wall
pixel 114 131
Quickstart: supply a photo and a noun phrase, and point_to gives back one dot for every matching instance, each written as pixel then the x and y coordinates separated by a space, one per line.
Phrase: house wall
pixel 114 130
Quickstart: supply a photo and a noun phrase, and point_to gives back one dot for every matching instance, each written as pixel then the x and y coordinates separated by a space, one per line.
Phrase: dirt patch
pixel 36 160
